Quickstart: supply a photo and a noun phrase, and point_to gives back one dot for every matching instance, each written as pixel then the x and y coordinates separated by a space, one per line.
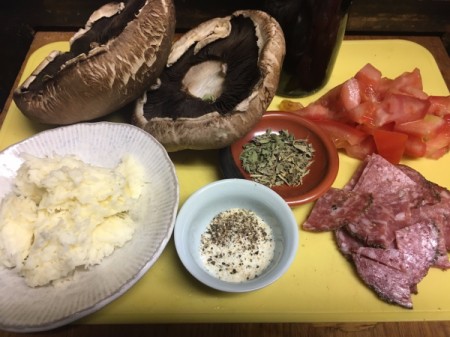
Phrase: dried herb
pixel 275 159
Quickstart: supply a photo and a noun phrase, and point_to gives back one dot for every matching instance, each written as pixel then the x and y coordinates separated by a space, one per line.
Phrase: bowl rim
pixel 232 169
pixel 291 232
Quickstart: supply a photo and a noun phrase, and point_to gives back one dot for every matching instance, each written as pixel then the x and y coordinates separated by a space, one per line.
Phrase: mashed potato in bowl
pixel 63 214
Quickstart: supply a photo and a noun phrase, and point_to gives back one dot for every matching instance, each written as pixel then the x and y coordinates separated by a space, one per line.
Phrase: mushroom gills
pixel 216 78
pixel 101 31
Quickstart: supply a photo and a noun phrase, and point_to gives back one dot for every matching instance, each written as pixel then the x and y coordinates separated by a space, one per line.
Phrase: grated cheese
pixel 64 213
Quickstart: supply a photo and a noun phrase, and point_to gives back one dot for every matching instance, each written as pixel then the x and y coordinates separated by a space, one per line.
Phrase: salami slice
pixel 426 193
pixel 391 222
pixel 346 243
pixel 336 208
pixel 439 214
pixel 420 240
pixel 388 283
pixel 373 225
pixel 380 177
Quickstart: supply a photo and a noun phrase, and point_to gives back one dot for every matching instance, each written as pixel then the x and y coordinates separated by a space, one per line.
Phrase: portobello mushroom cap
pixel 219 80
pixel 117 56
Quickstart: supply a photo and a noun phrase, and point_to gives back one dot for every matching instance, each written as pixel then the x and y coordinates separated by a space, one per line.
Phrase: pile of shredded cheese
pixel 64 213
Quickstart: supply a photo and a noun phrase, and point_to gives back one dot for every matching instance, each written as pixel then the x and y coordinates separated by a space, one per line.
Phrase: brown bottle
pixel 313 30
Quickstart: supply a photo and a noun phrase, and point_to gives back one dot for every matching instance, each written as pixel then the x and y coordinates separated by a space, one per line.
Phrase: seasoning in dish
pixel 275 159
pixel 237 245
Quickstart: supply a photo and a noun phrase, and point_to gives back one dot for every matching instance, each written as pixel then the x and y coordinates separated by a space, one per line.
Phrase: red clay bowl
pixel 323 170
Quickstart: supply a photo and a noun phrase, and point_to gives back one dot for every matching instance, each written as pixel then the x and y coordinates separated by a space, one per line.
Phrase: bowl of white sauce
pixel 236 235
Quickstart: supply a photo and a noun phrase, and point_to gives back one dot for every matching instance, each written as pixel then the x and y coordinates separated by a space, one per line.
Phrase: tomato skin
pixel 361 150
pixel 390 144
pixel 364 113
pixel 342 134
pixel 400 109
pixel 350 94
pixel 317 112
pixel 439 105
pixel 426 128
pixel 439 145
pixel 409 83
pixel 415 147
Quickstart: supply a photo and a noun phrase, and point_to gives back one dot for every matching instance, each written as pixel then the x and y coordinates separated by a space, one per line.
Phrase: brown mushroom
pixel 219 80
pixel 120 52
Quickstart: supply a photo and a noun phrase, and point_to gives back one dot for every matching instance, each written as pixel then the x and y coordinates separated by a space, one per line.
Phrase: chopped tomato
pixel 415 147
pixel 361 150
pixel 369 75
pixel 350 94
pixel 409 83
pixel 364 113
pixel 425 128
pixel 369 79
pixel 332 100
pixel 439 105
pixel 341 133
pixel 400 109
pixel 390 144
pixel 316 111
pixel 439 145
pixel 394 117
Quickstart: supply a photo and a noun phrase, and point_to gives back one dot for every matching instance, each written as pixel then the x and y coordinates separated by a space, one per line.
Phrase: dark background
pixel 21 19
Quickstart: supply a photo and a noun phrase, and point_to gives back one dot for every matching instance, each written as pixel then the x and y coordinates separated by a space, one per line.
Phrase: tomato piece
pixel 400 109
pixel 409 83
pixel 439 145
pixel 317 112
pixel 369 79
pixel 369 75
pixel 342 134
pixel 361 150
pixel 425 128
pixel 364 113
pixel 439 105
pixel 390 144
pixel 415 147
pixel 350 94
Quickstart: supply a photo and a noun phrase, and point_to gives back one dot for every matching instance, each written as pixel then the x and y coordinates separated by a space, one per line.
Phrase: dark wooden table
pixel 390 329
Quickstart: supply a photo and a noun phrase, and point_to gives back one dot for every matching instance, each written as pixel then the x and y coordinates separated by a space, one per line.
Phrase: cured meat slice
pixel 388 283
pixel 439 214
pixel 420 240
pixel 426 192
pixel 394 273
pixel 391 222
pixel 346 243
pixel 336 208
pixel 373 225
pixel 380 177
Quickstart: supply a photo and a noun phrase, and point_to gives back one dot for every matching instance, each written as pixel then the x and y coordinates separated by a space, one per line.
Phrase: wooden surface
pixel 400 329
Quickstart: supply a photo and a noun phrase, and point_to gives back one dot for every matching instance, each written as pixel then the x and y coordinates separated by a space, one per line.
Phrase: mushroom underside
pixel 215 79
pixel 99 33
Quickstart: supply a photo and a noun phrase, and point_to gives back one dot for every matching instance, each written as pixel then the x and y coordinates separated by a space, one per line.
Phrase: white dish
pixel 25 309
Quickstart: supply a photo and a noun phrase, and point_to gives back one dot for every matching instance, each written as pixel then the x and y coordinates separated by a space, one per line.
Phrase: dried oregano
pixel 275 159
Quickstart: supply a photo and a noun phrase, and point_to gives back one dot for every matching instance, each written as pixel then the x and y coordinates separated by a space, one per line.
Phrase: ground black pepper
pixel 237 245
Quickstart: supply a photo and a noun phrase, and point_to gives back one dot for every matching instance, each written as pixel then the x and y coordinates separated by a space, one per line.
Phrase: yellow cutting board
pixel 320 286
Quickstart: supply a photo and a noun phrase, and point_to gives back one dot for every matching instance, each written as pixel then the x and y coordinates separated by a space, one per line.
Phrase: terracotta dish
pixel 323 170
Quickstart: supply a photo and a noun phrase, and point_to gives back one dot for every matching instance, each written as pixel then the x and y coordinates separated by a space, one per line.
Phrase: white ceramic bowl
pixel 201 207
pixel 28 309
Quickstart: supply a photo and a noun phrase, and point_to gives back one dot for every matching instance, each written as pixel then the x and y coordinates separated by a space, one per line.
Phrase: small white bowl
pixel 202 206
